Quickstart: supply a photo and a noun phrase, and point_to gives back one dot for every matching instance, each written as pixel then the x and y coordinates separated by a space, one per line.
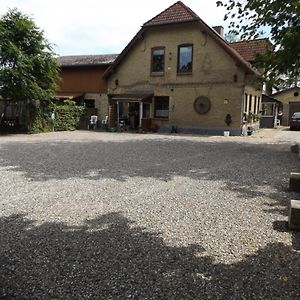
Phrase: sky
pixel 100 27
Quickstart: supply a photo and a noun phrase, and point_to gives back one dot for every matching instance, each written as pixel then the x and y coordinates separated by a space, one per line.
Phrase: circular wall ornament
pixel 202 105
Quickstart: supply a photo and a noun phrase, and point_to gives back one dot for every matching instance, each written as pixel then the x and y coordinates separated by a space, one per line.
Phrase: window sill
pixel 157 74
pixel 161 118
pixel 184 73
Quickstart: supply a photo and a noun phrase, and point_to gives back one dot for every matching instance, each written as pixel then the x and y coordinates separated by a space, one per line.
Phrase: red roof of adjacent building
pixel 249 49
pixel 176 13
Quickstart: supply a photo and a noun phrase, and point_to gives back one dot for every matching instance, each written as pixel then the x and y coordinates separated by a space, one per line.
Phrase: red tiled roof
pixel 177 13
pixel 249 49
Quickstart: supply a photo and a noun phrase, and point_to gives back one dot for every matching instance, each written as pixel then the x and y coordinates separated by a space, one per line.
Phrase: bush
pixel 33 118
pixel 67 115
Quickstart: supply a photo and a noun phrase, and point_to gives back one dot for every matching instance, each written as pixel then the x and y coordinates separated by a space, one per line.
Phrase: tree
pixel 231 37
pixel 282 21
pixel 28 67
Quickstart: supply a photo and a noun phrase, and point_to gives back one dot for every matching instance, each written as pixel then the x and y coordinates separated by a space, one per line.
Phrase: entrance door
pixel 134 113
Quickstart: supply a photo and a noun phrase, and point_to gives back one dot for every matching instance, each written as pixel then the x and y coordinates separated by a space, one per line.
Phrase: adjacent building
pixel 82 80
pixel 290 99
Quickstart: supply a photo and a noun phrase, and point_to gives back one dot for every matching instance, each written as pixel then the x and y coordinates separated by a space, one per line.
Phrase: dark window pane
pixel 90 103
pixel 161 108
pixel 246 103
pixel 158 60
pixel 250 104
pixel 255 104
pixel 185 59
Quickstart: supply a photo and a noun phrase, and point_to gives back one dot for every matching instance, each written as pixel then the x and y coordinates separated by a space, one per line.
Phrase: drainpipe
pixel 118 113
pixel 141 114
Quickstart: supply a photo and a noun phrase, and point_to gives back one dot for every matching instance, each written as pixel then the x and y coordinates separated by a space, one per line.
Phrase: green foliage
pixel 35 118
pixel 67 115
pixel 282 20
pixel 28 68
pixel 251 117
pixel 231 37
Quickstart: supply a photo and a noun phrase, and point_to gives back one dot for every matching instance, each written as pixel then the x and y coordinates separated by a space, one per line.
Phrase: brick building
pixel 177 71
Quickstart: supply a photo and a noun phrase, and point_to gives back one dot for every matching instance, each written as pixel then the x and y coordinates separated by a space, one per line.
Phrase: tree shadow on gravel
pixel 243 168
pixel 242 165
pixel 111 258
pixel 283 226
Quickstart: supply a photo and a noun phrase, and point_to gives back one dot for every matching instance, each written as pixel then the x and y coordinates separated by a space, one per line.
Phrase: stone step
pixel 294 215
pixel 295 182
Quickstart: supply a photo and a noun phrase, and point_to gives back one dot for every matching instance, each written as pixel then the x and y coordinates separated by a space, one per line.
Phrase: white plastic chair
pixel 104 122
pixel 93 122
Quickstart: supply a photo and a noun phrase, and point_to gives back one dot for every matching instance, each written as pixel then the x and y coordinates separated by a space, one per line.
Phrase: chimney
pixel 219 30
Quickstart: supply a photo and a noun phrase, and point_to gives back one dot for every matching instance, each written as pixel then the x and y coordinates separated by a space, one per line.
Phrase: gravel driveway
pixel 93 215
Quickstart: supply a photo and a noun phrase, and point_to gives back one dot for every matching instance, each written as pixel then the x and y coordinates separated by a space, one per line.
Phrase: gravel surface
pixel 93 215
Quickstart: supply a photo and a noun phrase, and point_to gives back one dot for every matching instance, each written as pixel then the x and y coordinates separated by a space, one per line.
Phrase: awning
pixel 141 97
pixel 268 99
pixel 70 96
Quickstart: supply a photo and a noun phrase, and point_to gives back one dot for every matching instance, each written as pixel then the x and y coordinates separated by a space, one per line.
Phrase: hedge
pixel 67 115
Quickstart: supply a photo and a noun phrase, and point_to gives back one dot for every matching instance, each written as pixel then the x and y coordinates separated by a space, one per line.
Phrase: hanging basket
pixel 202 105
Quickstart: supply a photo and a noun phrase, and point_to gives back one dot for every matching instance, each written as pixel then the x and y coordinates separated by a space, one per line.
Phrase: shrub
pixel 67 115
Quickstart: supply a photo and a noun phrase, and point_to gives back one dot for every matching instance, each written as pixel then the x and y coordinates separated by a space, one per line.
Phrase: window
pixel 89 103
pixel 185 59
pixel 246 103
pixel 268 109
pixel 161 107
pixel 250 104
pixel 255 104
pixel 158 60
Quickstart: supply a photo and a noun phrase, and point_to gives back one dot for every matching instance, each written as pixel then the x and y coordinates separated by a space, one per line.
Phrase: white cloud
pixel 95 26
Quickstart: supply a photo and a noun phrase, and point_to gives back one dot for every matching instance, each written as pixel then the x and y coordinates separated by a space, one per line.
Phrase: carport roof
pixel 269 99
pixel 133 97
pixel 67 95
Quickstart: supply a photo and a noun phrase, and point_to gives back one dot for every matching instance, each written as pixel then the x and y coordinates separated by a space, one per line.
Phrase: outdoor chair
pixel 93 122
pixel 104 122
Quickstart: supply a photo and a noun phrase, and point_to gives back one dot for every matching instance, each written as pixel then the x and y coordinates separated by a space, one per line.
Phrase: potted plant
pixel 155 127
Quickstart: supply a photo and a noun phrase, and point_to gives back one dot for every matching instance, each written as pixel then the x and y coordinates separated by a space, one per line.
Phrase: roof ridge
pixel 82 55
pixel 191 14
pixel 254 40
pixel 286 90
pixel 189 9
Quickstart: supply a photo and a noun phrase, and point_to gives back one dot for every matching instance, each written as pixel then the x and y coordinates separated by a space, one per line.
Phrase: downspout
pixel 141 114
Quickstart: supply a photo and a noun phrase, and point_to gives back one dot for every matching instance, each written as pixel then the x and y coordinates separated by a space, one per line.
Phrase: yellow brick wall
pixel 215 75
pixel 101 103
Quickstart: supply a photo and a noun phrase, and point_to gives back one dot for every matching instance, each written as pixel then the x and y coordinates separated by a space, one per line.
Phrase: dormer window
pixel 158 61
pixel 185 59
